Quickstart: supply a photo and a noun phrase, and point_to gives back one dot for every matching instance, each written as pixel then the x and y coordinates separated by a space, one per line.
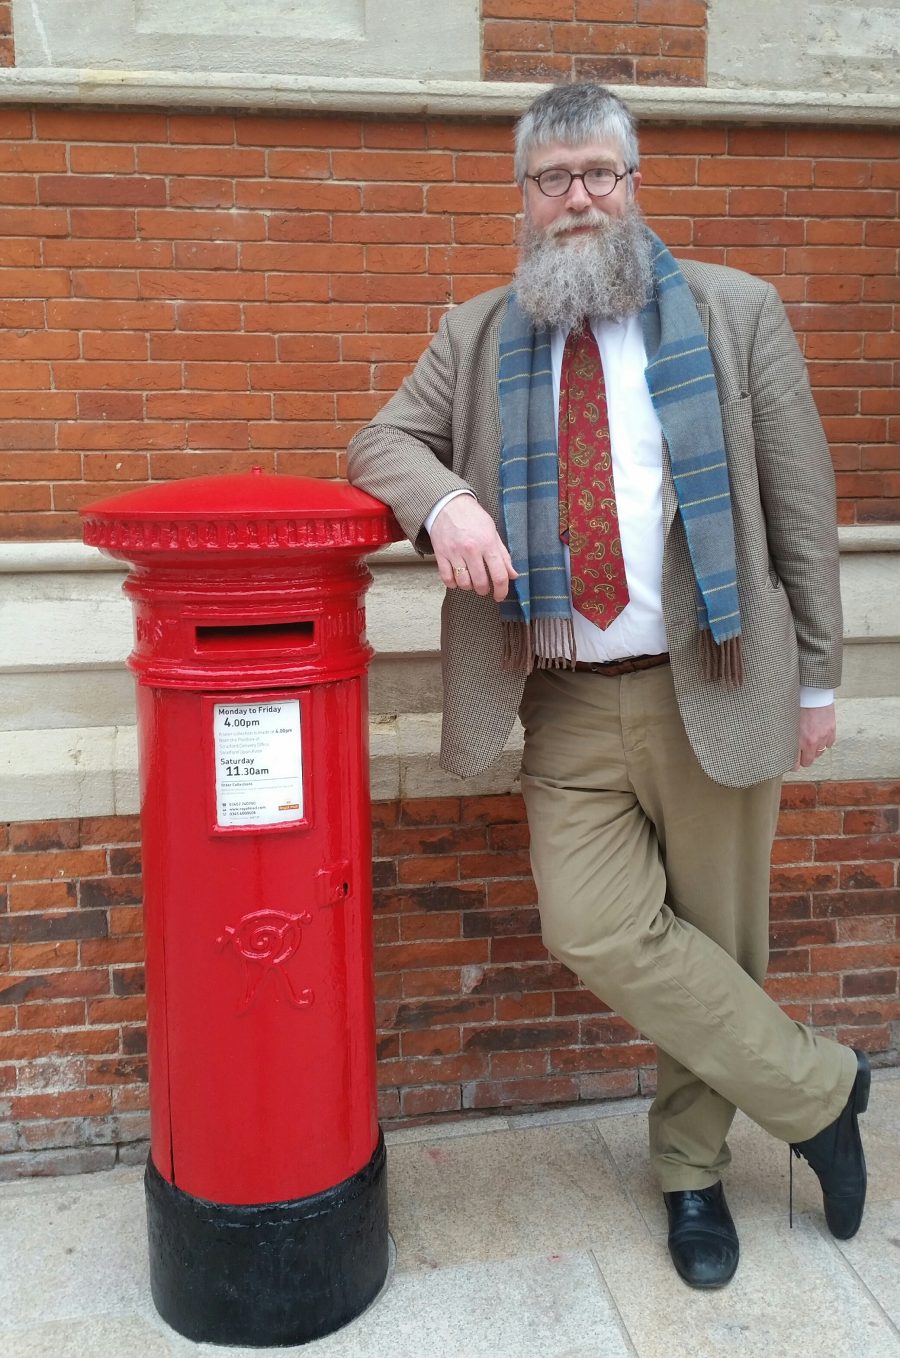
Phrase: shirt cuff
pixel 444 500
pixel 816 697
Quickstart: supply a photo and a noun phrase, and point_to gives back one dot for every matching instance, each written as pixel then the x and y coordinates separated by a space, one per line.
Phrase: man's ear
pixel 635 183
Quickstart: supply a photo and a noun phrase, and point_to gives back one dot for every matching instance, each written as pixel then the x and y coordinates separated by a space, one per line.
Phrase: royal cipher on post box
pixel 265 1185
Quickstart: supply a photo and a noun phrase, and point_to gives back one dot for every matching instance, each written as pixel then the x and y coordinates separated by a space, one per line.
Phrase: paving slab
pixel 874 1256
pixel 547 1189
pixel 516 1237
pixel 793 1296
pixel 77 1250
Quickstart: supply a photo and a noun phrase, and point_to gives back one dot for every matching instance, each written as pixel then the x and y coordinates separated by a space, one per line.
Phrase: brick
pixel 46 834
pixel 119 1010
pixel 111 190
pixel 873 1039
pixel 814 877
pixel 856 957
pixel 863 983
pixel 514 1008
pixel 48 928
pixel 499 1094
pixel 519 1065
pixel 524 66
pixel 434 869
pixel 609 1084
pixel 801 933
pixel 432 1069
pixel 530 9
pixel 866 876
pixel 872 821
pixel 298 131
pixel 789 960
pixel 134 1041
pixel 830 904
pixel 836 141
pixel 454 952
pixel 80 1103
pixel 682 12
pixel 600 40
pixel 518 948
pixel 131 376
pixel 869 930
pixel 430 983
pixel 850 847
pixel 105 951
pixel 61 1014
pixel 511 891
pixel 578 1060
pixel 388 1104
pixel 792 850
pixel 432 1042
pixel 801 987
pixel 82 983
pixel 518 1037
pixel 429 926
pixel 670 70
pixel 430 1100
pixel 116 1070
pixel 42 956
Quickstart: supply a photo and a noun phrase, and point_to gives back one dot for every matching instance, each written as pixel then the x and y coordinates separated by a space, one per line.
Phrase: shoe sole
pixel 863 1085
pixel 860 1104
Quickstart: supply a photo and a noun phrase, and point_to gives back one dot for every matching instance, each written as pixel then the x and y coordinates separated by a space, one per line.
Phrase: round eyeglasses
pixel 555 183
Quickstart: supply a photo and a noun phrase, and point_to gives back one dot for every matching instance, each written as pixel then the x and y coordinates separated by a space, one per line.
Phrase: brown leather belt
pixel 628 665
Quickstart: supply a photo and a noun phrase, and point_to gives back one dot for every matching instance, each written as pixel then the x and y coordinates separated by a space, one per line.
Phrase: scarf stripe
pixel 682 386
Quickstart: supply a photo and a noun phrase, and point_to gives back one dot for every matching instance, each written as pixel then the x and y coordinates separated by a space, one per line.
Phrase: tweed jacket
pixel 441 432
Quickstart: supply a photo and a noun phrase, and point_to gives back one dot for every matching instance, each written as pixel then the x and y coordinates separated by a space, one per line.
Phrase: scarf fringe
pixel 544 644
pixel 722 661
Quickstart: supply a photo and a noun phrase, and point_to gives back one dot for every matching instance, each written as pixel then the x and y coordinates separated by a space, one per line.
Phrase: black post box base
pixel 274 1274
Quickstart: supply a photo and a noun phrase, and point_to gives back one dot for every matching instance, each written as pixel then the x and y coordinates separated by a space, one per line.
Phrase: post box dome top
pixel 253 511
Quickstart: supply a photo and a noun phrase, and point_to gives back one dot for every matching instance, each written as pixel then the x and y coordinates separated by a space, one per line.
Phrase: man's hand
pixel 470 552
pixel 817 734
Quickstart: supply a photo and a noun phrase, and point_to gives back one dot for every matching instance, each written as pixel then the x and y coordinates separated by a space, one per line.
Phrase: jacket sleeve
pixel 404 456
pixel 796 481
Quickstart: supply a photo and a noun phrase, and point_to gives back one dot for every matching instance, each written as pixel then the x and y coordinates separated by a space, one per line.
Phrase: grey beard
pixel 609 274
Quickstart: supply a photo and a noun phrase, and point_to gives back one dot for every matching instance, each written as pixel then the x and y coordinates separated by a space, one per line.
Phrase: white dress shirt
pixel 636 443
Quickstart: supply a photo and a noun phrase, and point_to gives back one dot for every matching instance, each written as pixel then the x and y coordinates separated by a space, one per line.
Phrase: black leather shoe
pixel 702 1240
pixel 836 1155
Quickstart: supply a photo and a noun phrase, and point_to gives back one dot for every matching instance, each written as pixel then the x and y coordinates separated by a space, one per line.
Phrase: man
pixel 620 470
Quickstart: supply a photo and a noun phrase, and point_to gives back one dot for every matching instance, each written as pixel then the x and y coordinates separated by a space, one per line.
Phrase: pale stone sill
pixel 34 557
pixel 421 98
pixel 92 771
pixel 67 630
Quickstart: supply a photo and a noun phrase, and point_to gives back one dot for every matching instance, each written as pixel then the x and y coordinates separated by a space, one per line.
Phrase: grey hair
pixel 575 113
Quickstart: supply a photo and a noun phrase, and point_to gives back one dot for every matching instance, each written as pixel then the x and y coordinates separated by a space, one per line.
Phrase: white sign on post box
pixel 259 763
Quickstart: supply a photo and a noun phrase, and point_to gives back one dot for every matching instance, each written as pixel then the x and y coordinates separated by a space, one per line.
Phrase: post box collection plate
pixel 266 1189
pixel 258 755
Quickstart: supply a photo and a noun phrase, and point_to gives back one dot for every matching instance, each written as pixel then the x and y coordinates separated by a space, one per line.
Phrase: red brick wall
pixel 7 43
pixel 191 293
pixel 623 42
pixel 472 1013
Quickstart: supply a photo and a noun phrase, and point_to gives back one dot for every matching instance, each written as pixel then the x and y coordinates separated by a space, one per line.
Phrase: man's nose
pixel 578 198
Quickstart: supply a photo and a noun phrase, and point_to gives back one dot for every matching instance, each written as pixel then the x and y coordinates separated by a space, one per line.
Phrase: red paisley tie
pixel 588 519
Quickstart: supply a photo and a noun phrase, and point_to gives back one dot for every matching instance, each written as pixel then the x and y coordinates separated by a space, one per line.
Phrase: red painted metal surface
pixel 248 599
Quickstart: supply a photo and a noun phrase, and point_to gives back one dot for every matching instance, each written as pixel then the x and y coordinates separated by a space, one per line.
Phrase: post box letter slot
pixel 264 636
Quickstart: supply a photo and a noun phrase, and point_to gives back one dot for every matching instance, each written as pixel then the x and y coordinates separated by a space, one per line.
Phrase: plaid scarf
pixel 537 614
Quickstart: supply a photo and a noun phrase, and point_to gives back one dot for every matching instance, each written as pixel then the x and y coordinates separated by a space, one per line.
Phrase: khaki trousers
pixel 653 883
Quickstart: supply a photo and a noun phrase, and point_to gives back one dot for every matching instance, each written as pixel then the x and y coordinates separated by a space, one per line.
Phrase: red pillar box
pixel 265 1185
